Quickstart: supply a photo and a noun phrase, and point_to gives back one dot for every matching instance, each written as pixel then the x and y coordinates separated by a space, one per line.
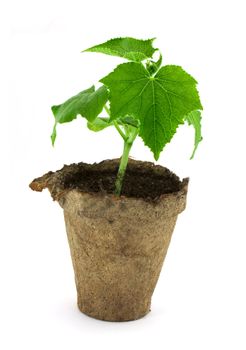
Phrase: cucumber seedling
pixel 141 98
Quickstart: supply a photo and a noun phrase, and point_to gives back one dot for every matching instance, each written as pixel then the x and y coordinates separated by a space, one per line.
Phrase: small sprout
pixel 146 99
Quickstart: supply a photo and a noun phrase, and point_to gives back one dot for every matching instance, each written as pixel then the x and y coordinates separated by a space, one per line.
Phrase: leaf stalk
pixel 119 130
pixel 128 142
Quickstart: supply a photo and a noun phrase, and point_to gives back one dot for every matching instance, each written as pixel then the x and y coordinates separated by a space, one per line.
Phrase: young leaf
pixel 160 102
pixel 88 103
pixel 129 48
pixel 194 118
pixel 53 135
pixel 99 124
pixel 153 66
pixel 128 121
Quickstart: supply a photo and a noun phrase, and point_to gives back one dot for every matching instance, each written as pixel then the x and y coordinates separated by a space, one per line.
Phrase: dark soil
pixel 142 179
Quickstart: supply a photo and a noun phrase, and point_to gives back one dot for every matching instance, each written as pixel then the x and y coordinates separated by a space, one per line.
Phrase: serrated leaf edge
pixel 90 49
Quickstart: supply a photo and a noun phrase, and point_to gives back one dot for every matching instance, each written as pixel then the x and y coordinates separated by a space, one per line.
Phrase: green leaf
pixel 129 121
pixel 99 124
pixel 160 102
pixel 53 135
pixel 194 118
pixel 88 103
pixel 129 48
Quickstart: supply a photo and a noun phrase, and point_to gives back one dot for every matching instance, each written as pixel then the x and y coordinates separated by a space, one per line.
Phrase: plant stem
pixel 128 136
pixel 122 168
pixel 119 130
pixel 116 124
pixel 107 109
pixel 128 142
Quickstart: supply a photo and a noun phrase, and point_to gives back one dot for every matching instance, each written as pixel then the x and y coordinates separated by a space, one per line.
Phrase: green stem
pixel 116 124
pixel 122 168
pixel 128 142
pixel 119 130
pixel 107 109
pixel 129 136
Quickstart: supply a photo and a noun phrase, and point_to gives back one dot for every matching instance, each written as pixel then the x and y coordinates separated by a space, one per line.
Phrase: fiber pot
pixel 117 244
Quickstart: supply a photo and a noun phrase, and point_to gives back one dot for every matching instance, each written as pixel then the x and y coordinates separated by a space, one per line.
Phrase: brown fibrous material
pixel 117 244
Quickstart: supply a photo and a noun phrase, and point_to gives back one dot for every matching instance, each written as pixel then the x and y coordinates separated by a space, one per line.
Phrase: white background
pixel 199 302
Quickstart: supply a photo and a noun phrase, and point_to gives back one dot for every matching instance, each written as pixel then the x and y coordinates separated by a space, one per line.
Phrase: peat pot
pixel 117 244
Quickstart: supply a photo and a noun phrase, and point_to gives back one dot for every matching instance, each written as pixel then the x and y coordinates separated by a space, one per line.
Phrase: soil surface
pixel 142 179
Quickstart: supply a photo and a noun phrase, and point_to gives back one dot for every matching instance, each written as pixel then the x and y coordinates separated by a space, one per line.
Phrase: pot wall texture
pixel 118 246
